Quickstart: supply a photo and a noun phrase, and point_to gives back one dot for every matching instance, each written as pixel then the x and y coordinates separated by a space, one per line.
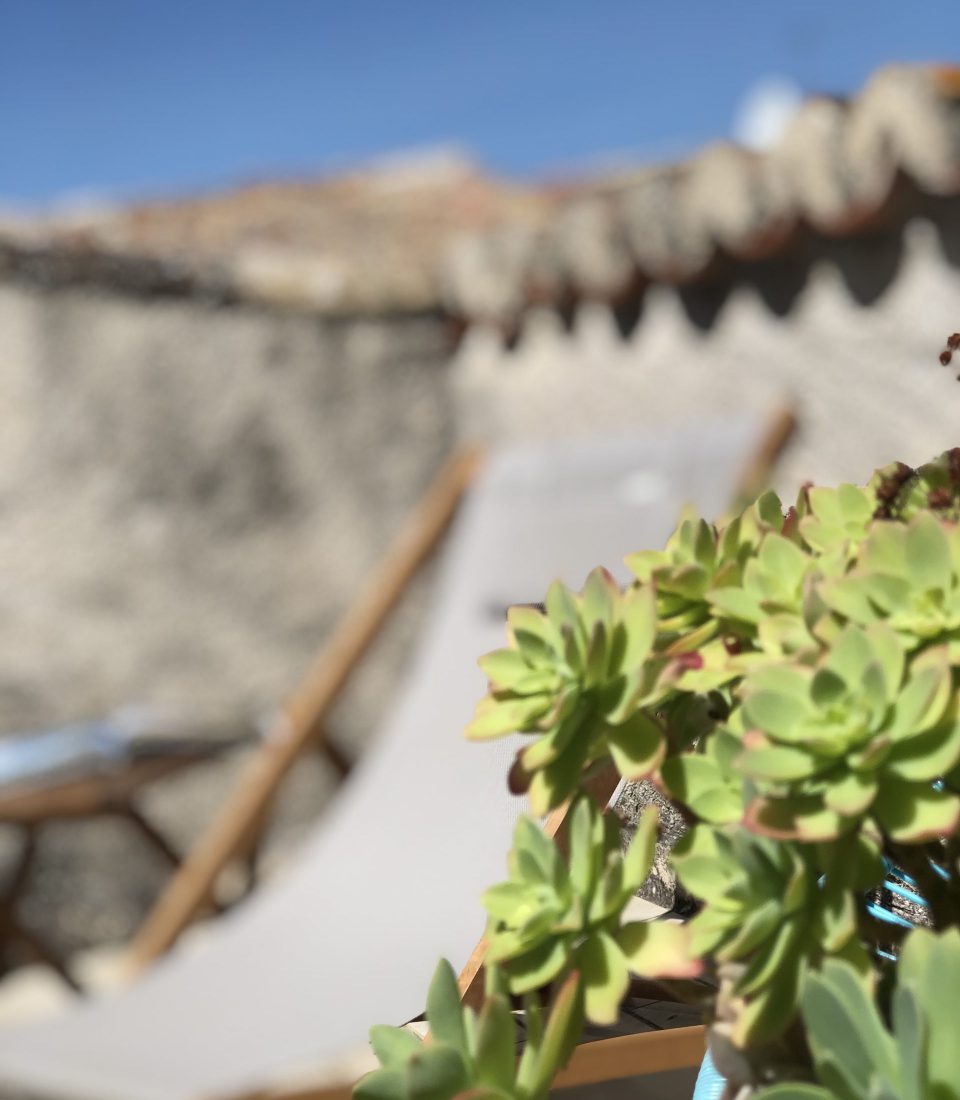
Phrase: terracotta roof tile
pixel 834 170
pixel 441 234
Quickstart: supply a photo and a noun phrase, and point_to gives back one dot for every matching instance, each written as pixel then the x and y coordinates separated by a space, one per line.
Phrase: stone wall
pixel 850 341
pixel 189 494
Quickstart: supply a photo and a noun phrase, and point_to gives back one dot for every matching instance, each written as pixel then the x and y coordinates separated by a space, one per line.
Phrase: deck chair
pixel 89 770
pixel 290 979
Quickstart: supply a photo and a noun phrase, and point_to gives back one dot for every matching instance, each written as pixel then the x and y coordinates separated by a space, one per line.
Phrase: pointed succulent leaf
pixel 547 748
pixel 921 702
pixel 851 795
pixel 598 598
pixel 533 634
pixel 637 746
pixel 435 1072
pixel 382 1084
pixel 928 553
pixel 885 550
pixel 562 606
pixel 658 949
pixel 584 853
pixel 693 778
pixel 837 918
pixel 782 559
pixel 596 657
pixel 444 1012
pixel 393 1045
pixel 736 603
pixel 760 924
pixel 915 812
pixel 849 596
pixel 839 1015
pixel 560 1036
pixel 644 564
pixel 557 781
pixel 929 755
pixel 768 510
pixel 827 687
pixel 508 901
pixel 496 718
pixel 934 993
pixel 768 1013
pixel 774 762
pixel 537 967
pixel 639 855
pixel 776 713
pixel 793 819
pixel 496 1045
pixel 529 837
pixel 605 977
pixel 850 654
pixel 505 668
pixel 777 954
pixel 638 612
pixel 700 863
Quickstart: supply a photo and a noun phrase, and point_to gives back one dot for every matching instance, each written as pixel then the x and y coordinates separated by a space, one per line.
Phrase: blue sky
pixel 130 98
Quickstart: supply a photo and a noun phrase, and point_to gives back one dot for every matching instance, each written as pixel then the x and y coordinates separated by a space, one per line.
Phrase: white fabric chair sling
pixel 349 935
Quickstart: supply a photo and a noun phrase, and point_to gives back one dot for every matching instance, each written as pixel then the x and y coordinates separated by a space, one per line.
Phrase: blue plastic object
pixel 709 1081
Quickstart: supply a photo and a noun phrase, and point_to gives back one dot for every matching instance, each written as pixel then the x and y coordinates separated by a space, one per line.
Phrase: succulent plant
pixel 835 521
pixel 856 1057
pixel 792 682
pixel 771 908
pixel 864 734
pixel 553 916
pixel 907 575
pixel 576 676
pixel 772 583
pixel 698 558
pixel 705 781
pixel 467 1052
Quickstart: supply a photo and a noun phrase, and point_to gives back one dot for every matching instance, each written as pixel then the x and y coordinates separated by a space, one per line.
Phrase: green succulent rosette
pixel 772 910
pixel 698 558
pixel 475 1054
pixel 859 1056
pixel 553 916
pixel 907 575
pixel 859 738
pixel 577 677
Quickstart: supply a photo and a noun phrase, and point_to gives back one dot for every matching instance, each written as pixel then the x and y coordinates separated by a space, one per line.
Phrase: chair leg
pixel 340 761
pixel 25 861
pixel 12 928
pixel 157 840
pixel 41 949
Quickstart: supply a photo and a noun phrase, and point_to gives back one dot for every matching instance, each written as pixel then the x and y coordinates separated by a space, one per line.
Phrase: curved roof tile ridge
pixel 834 171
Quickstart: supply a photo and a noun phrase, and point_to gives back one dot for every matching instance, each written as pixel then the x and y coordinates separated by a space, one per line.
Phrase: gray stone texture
pixel 189 498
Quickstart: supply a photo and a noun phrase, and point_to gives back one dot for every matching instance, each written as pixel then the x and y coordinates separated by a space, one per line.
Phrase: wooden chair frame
pixel 300 722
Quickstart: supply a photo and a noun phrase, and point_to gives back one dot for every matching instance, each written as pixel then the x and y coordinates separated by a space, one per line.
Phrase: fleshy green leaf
pixel 928 552
pixel 496 1045
pixel 913 813
pixel 392 1045
pixel 639 855
pixel 637 746
pixel 435 1072
pixel 605 978
pixel 658 950
pixel 382 1084
pixel 444 1012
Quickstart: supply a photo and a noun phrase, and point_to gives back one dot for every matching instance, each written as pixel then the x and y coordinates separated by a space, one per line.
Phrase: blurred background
pixel 263 267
